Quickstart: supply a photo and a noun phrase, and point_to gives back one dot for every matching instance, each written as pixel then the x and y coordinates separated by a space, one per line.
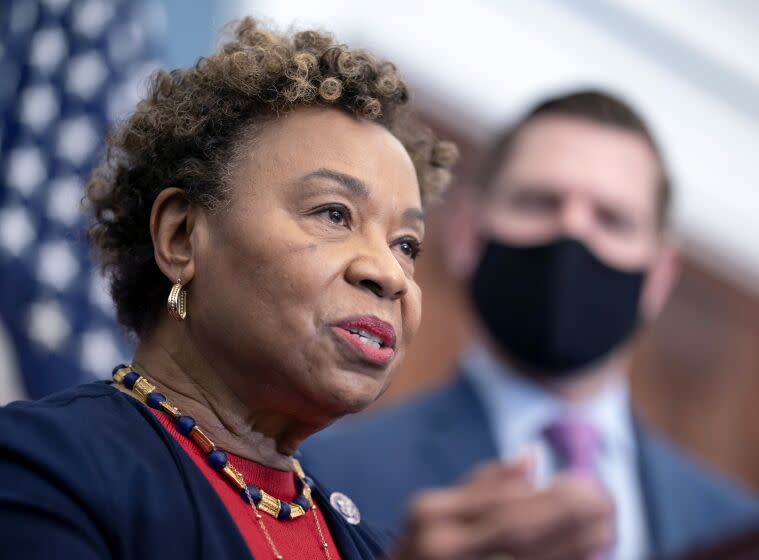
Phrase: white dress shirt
pixel 519 410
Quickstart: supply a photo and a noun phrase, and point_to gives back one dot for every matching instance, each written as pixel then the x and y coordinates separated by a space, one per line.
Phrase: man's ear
pixel 462 234
pixel 660 280
pixel 172 220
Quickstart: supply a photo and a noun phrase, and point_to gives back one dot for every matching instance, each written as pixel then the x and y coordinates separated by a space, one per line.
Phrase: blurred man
pixel 567 254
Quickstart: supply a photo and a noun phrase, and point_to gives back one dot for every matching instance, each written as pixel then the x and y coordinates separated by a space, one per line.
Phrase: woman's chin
pixel 353 392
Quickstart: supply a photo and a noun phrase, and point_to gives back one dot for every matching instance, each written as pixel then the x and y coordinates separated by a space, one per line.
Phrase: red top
pixel 295 539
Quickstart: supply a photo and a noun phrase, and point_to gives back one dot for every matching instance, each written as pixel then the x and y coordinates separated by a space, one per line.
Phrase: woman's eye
pixel 335 215
pixel 410 247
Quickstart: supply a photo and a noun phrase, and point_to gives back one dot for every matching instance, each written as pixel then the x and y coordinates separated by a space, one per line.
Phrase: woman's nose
pixel 376 268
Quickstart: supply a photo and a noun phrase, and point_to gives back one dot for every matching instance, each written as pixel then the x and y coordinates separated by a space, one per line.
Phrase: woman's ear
pixel 661 279
pixel 172 220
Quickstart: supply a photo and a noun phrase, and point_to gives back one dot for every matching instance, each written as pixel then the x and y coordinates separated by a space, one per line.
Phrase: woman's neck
pixel 199 391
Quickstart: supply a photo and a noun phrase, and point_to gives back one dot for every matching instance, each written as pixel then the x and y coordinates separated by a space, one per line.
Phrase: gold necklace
pixel 259 500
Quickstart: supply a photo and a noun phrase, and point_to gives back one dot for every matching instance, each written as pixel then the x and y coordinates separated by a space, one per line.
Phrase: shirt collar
pixel 520 409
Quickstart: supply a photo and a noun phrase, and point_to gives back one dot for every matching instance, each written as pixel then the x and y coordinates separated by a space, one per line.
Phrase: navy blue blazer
pixel 380 461
pixel 89 473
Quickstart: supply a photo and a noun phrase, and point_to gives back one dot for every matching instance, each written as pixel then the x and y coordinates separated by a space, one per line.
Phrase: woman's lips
pixel 371 338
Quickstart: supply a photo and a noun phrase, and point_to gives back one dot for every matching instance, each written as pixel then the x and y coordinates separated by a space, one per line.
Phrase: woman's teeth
pixel 366 338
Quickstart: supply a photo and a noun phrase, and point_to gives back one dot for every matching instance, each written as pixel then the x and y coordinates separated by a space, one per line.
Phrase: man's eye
pixel 615 221
pixel 536 202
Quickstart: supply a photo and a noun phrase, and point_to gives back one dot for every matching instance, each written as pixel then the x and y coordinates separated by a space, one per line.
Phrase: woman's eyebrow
pixel 411 215
pixel 355 186
pixel 358 188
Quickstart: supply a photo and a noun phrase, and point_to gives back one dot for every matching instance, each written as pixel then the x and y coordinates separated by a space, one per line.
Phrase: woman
pixel 274 194
pixel 259 217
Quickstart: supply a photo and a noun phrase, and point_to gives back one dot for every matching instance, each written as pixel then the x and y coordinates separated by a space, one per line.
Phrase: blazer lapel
pixel 667 489
pixel 655 508
pixel 457 435
pixel 354 542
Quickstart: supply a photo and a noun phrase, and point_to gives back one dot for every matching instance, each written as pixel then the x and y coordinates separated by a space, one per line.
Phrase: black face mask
pixel 554 308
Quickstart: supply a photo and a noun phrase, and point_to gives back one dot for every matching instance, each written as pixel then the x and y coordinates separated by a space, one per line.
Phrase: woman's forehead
pixel 322 144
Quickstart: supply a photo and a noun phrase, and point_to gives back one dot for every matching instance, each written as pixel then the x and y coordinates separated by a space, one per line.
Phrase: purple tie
pixel 575 443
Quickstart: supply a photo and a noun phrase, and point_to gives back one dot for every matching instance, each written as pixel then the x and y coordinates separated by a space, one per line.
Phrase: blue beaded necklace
pixel 217 459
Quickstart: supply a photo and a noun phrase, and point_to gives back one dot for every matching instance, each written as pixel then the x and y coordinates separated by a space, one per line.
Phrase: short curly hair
pixel 185 131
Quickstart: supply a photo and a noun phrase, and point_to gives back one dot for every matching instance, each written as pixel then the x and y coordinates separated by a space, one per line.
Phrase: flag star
pixel 119 102
pixel 123 96
pixel 48 49
pixel 57 266
pixel 16 229
pixel 125 41
pixel 47 325
pixel 99 351
pixel 39 106
pixel 77 139
pixel 92 16
pixel 85 74
pixel 64 202
pixel 26 169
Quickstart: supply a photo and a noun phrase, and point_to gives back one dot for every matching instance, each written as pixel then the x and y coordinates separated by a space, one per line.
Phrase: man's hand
pixel 497 513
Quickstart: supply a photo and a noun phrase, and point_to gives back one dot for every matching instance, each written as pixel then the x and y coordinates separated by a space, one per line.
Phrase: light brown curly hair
pixel 185 131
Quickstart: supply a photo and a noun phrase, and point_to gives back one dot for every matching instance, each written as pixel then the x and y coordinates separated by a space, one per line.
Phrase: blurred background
pixel 68 67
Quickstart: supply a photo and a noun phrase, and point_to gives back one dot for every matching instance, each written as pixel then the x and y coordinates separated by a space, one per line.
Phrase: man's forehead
pixel 561 153
pixel 556 134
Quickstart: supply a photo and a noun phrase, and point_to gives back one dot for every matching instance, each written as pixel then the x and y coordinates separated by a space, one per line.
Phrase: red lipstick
pixel 370 337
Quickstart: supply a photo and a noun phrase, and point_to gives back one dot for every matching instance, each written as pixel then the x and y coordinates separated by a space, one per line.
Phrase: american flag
pixel 67 69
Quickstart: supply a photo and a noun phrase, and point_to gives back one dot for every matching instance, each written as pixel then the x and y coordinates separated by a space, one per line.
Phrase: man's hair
pixel 187 133
pixel 594 106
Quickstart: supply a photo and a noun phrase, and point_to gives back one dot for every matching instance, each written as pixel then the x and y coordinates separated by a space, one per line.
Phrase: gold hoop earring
pixel 177 302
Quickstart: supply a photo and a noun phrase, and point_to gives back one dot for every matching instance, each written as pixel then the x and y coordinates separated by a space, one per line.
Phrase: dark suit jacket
pixel 434 440
pixel 89 473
